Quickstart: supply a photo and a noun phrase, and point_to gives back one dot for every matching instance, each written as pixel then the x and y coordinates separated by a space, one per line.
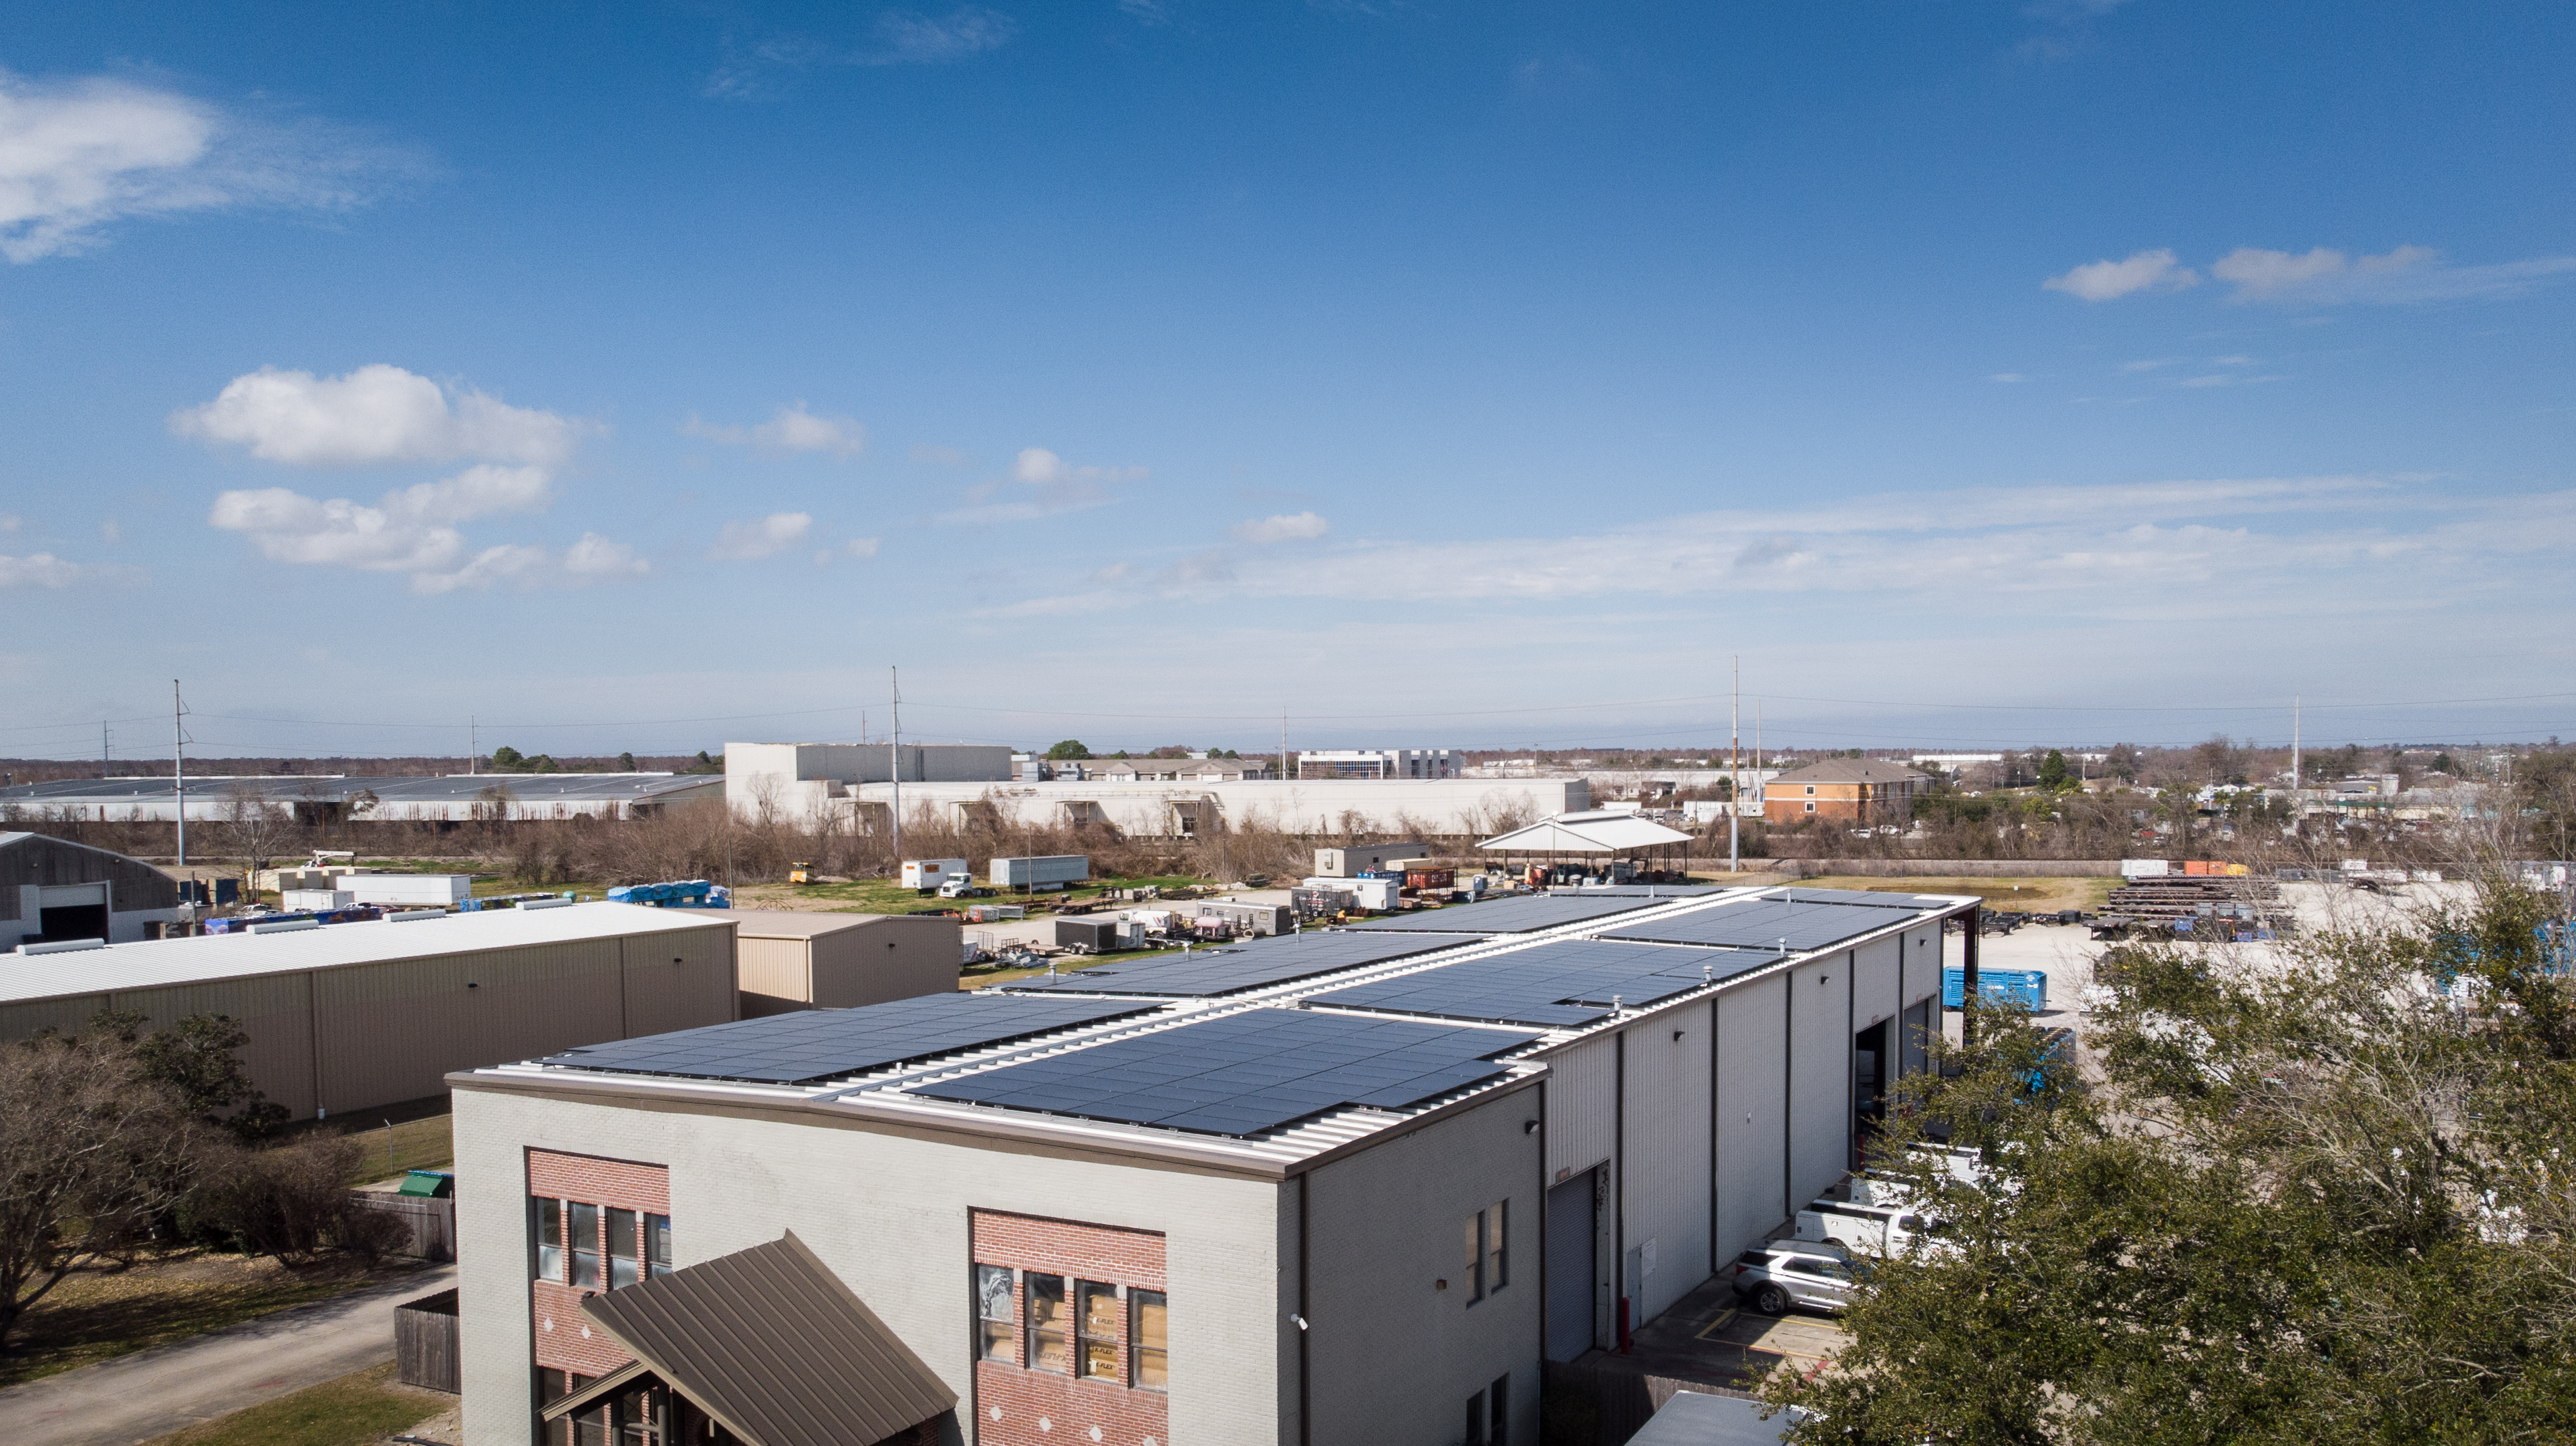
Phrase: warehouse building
pixel 334 798
pixel 345 1017
pixel 55 891
pixel 792 961
pixel 1337 1186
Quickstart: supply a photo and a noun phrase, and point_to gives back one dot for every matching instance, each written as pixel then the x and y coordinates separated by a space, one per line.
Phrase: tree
pixel 1069 748
pixel 2321 1202
pixel 506 759
pixel 91 1153
pixel 2053 772
pixel 198 1059
pixel 2122 762
pixel 626 763
pixel 255 828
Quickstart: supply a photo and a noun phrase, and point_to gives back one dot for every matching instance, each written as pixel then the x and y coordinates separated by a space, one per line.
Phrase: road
pixel 151 1393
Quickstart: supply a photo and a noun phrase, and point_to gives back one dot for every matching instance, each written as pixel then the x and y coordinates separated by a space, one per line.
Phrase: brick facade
pixel 1016 1405
pixel 564 1338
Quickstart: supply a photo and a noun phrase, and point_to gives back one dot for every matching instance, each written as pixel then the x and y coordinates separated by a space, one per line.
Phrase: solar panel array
pixel 1252 964
pixel 1517 915
pixel 1241 1074
pixel 1638 891
pixel 1564 983
pixel 821 1044
pixel 1765 923
pixel 1867 898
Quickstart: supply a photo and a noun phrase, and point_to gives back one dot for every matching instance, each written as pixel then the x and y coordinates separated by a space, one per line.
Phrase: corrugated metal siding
pixel 1667 1152
pixel 1582 1123
pixel 70 1013
pixel 392 1031
pixel 856 967
pixel 1875 980
pixel 37 859
pixel 272 1010
pixel 1820 1080
pixel 1752 1112
pixel 779 968
pixel 1923 951
pixel 677 981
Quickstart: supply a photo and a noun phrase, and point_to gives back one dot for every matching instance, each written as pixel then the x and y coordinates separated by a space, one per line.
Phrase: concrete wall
pixel 888 1212
pixel 1394 1356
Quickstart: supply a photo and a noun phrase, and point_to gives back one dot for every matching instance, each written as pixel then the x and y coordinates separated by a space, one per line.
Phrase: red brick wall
pixel 565 1338
pixel 1015 1406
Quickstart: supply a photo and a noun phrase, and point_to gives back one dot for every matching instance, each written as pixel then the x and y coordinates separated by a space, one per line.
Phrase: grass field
pixel 96 1315
pixel 2033 895
pixel 355 1410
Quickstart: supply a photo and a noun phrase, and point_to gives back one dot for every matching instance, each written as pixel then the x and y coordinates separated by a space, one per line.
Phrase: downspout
pixel 1788 1096
pixel 1713 1266
pixel 1305 1377
pixel 1851 1056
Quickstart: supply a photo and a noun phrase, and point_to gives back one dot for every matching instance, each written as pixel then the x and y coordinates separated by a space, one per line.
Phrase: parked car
pixel 1774 1277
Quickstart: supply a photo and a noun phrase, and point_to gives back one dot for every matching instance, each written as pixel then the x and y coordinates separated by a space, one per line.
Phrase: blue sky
pixel 644 377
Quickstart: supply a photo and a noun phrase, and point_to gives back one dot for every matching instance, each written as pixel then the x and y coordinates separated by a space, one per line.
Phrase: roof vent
pixel 62 946
pixel 286 926
pixel 545 903
pixel 415 914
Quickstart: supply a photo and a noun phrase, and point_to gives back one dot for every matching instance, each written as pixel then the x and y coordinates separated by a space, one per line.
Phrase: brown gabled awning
pixel 769 1342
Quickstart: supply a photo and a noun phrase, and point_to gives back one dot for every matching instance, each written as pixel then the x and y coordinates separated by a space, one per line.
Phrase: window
pixel 1811 790
pixel 1495 1260
pixel 1476 1419
pixel 1049 1350
pixel 1147 1312
pixel 1811 808
pixel 549 1233
pixel 585 1247
pixel 657 1245
pixel 1498 1411
pixel 1475 1277
pixel 551 1385
pixel 1097 1318
pixel 993 1315
pixel 623 1264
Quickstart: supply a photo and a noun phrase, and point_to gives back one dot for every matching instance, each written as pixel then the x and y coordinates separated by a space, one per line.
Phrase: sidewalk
pixel 150 1393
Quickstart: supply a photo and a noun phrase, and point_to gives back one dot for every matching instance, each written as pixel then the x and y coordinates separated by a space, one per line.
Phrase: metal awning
pixel 1586 833
pixel 770 1343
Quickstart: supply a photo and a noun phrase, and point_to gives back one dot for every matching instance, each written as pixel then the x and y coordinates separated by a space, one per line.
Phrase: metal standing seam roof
pixel 792 924
pixel 774 1345
pixel 1586 833
pixel 157 963
pixel 1519 914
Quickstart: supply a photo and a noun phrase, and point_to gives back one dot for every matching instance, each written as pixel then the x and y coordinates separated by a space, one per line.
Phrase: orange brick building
pixel 1851 790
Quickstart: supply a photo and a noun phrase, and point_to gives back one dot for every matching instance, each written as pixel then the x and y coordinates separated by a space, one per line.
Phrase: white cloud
pixel 762 537
pixel 902 37
pixel 1038 466
pixel 1292 527
pixel 410 529
pixel 1054 485
pixel 41 569
pixel 792 429
pixel 862 547
pixel 376 414
pixel 11 522
pixel 914 39
pixel 2323 276
pixel 2143 271
pixel 524 568
pixel 76 156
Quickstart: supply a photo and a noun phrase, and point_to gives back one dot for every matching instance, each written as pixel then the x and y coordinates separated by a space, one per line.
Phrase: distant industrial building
pixel 334 798
pixel 1846 790
pixel 53 891
pixel 344 1017
pixel 791 961
pixel 806 784
pixel 1378 763
pixel 1343 1186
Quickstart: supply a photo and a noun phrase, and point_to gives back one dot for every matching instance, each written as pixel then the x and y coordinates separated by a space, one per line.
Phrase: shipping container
pixel 1096 936
pixel 1042 871
pixel 2026 987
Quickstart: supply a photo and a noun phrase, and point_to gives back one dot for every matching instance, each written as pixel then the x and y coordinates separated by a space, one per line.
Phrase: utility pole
pixel 474 745
pixel 2294 750
pixel 102 748
pixel 1735 766
pixel 894 764
pixel 179 764
pixel 1283 745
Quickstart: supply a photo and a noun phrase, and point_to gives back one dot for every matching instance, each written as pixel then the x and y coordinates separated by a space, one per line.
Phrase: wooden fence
pixel 432 1222
pixel 425 1343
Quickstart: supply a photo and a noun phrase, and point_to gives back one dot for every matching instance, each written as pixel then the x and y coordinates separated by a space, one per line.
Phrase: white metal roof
pixel 207 957
pixel 1586 833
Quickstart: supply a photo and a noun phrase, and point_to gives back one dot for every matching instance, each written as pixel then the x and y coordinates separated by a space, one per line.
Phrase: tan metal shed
pixel 794 961
pixel 350 1016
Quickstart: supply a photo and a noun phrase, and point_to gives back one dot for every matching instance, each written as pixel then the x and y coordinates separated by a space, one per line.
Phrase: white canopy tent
pixel 1598 834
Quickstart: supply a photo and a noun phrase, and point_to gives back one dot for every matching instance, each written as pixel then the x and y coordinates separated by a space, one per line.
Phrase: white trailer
pixel 1041 871
pixel 409 891
pixel 931 873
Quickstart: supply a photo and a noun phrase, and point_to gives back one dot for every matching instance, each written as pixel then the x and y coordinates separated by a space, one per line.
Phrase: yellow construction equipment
pixel 800 872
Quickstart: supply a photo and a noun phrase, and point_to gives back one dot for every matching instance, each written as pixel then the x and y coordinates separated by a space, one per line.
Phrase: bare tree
pixel 91 1153
pixel 255 828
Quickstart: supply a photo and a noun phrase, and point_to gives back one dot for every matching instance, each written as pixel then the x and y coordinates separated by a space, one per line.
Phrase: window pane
pixel 657 1244
pixel 1498 1402
pixel 550 1255
pixel 622 1245
pixel 1496 1237
pixel 585 1246
pixel 1476 1256
pixel 1099 1321
pixel 1050 1343
pixel 1151 1328
pixel 1476 1419
pixel 993 1315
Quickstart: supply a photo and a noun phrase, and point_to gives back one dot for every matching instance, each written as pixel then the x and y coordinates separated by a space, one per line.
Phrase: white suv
pixel 1772 1278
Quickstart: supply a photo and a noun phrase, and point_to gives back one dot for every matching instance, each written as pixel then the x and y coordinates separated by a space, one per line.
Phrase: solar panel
pixel 820 1044
pixel 1252 964
pixel 1241 1074
pixel 1764 923
pixel 1517 915
pixel 1561 984
pixel 1867 898
pixel 1638 891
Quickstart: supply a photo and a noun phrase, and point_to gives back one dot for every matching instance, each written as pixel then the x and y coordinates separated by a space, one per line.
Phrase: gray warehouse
pixel 792 961
pixel 53 890
pixel 1338 1186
